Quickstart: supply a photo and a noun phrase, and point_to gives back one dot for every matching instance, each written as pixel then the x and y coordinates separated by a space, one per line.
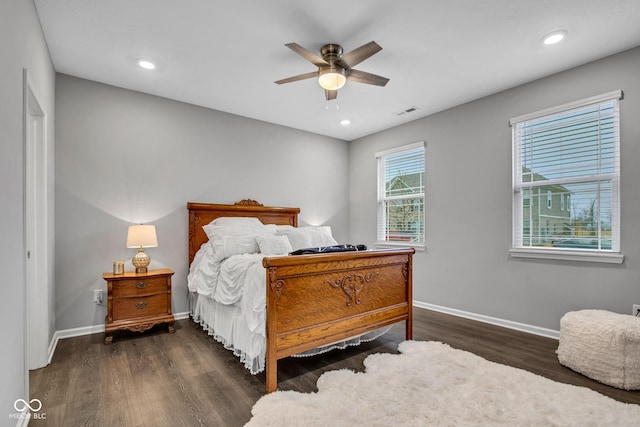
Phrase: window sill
pixel 416 246
pixel 568 255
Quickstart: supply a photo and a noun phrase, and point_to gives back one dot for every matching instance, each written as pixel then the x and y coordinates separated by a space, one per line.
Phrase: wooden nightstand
pixel 138 301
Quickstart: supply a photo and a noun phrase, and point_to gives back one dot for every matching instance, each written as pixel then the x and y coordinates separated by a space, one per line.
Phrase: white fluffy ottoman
pixel 602 345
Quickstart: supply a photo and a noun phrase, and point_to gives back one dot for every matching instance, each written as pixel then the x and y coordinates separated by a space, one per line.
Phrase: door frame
pixel 37 290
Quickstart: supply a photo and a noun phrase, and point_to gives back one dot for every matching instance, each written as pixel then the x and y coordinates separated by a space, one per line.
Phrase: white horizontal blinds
pixel 401 195
pixel 566 178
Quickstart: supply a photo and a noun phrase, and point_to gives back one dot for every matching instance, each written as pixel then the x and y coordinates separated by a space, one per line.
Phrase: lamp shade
pixel 142 236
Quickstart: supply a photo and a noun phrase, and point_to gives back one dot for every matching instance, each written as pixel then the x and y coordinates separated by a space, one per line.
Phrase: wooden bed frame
pixel 315 300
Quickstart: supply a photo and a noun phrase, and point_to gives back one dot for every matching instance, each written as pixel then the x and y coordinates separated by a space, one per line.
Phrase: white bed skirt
pixel 226 325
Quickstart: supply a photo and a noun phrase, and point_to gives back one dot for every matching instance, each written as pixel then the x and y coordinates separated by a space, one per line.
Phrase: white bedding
pixel 227 286
pixel 238 280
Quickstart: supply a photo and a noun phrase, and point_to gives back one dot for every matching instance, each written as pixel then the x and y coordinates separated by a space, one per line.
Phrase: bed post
pixel 271 357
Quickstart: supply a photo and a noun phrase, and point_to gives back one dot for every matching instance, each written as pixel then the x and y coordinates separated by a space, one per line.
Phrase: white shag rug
pixel 432 384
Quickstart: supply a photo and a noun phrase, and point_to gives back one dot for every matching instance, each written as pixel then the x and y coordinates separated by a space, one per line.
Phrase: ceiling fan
pixel 334 68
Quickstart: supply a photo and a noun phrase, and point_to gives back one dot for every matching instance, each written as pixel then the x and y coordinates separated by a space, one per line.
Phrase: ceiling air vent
pixel 408 110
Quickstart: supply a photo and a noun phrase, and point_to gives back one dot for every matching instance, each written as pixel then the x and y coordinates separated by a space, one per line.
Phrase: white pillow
pixel 214 231
pixel 284 227
pixel 274 245
pixel 308 237
pixel 217 231
pixel 234 244
pixel 241 221
pixel 297 238
pixel 229 240
pixel 320 236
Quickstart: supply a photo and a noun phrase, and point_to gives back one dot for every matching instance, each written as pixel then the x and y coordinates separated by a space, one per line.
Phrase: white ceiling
pixel 226 55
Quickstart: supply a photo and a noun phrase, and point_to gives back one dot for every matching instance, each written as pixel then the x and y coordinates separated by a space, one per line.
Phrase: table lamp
pixel 141 236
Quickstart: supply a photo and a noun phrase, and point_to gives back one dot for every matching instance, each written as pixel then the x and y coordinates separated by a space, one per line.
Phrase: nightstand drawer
pixel 133 307
pixel 141 286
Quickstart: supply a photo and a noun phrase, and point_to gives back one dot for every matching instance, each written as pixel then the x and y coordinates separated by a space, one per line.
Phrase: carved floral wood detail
pixel 194 221
pixel 141 327
pixel 352 284
pixel 248 202
pixel 276 284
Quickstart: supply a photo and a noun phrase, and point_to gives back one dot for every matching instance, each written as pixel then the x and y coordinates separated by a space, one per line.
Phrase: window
pixel 571 153
pixel 401 195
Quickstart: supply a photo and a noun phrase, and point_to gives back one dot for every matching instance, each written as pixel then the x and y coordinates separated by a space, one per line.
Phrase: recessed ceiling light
pixel 555 37
pixel 147 65
pixel 345 122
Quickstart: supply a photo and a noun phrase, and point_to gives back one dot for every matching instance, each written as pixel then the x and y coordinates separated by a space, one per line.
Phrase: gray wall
pixel 21 46
pixel 468 204
pixel 123 157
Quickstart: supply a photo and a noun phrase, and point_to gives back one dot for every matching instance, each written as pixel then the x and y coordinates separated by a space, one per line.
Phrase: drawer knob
pixel 141 304
pixel 141 285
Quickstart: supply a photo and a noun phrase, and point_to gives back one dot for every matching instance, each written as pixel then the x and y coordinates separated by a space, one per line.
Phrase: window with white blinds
pixel 401 195
pixel 566 177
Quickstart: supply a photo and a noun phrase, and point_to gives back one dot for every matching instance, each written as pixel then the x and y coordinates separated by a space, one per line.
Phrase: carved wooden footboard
pixel 315 300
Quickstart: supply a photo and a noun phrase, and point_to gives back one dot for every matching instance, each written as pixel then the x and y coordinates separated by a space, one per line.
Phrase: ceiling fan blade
pixel 364 77
pixel 307 54
pixel 359 54
pixel 304 76
pixel 330 94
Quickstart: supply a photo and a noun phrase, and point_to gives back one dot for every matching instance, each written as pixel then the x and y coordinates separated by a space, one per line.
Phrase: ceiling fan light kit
pixel 331 77
pixel 334 68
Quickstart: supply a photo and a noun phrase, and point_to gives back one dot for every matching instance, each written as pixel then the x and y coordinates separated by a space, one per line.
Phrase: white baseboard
pixel 180 316
pixel 523 327
pixel 69 333
pixel 88 330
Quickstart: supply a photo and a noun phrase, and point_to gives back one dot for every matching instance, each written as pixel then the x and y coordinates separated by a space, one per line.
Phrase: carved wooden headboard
pixel 203 213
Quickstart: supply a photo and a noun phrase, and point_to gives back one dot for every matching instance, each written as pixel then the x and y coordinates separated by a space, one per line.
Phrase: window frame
pixel 381 198
pixel 598 255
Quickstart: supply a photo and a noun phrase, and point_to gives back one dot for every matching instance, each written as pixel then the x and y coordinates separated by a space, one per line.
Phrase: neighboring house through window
pixel 566 178
pixel 401 195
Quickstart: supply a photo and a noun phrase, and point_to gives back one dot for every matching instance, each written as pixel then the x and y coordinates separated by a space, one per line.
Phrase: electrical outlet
pixel 97 296
pixel 636 309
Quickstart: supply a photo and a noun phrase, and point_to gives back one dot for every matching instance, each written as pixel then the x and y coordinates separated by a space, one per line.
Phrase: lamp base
pixel 140 261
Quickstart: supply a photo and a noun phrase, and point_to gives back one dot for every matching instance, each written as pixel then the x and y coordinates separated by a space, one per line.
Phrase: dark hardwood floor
pixel 188 379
